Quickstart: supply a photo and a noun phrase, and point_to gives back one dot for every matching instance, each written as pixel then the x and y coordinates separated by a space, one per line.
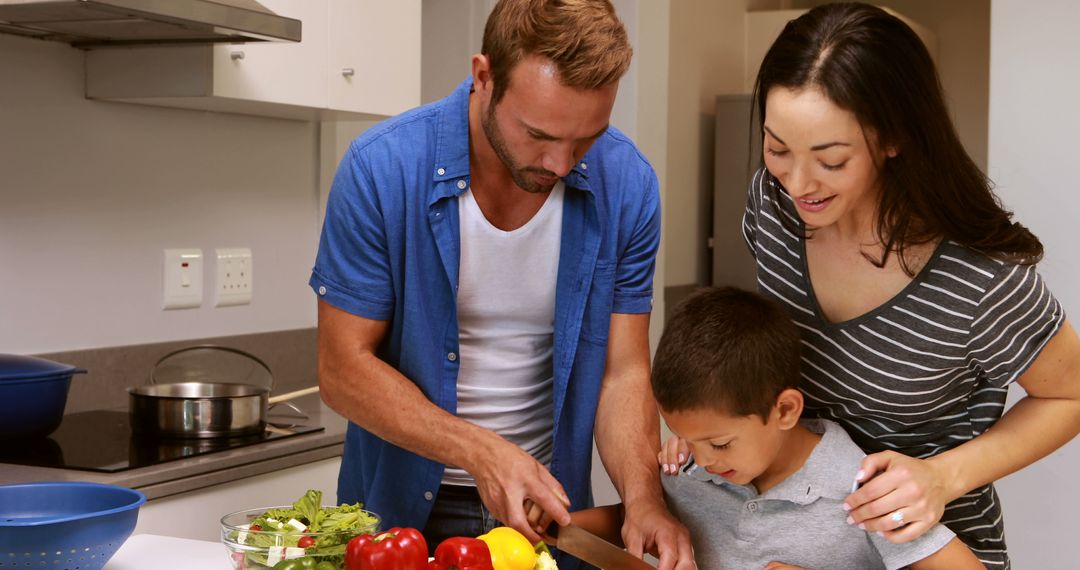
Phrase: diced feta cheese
pixel 546 562
pixel 275 554
pixel 299 526
pixel 294 552
pixel 242 536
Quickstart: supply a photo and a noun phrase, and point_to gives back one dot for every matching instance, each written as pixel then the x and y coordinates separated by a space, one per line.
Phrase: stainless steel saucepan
pixel 202 409
pixel 230 398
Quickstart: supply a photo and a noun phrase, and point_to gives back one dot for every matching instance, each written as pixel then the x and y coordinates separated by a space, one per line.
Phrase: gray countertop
pixel 201 471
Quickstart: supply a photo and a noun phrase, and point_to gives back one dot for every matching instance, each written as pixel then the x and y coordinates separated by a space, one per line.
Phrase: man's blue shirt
pixel 390 251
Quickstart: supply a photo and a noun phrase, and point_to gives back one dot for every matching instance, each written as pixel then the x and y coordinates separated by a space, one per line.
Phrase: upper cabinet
pixel 357 58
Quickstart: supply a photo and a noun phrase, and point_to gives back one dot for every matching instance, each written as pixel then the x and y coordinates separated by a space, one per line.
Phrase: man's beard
pixel 498 144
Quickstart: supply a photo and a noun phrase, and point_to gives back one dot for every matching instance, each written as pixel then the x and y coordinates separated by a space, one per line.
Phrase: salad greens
pixel 321 532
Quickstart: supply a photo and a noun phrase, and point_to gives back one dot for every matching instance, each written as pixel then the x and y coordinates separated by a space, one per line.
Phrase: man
pixel 485 281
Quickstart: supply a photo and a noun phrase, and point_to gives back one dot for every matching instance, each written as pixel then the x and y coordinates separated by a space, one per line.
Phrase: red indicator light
pixel 184 264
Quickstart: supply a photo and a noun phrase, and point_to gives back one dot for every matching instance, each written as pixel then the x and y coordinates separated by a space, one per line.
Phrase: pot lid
pixel 212 364
pixel 20 367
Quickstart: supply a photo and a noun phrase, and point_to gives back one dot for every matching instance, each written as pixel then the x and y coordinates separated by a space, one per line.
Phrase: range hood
pixel 98 23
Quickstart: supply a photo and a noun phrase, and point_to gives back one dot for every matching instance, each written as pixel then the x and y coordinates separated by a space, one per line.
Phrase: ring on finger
pixel 898 518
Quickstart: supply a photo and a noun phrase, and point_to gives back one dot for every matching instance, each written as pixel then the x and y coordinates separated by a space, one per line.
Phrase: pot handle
pixel 283 398
pixel 292 395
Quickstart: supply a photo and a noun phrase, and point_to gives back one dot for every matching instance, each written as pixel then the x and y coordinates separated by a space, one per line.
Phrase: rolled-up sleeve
pixel 634 272
pixel 352 268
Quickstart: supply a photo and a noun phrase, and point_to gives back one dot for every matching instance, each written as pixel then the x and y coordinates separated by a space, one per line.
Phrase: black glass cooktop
pixel 101 440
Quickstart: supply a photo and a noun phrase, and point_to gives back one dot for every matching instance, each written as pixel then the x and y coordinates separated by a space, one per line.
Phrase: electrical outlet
pixel 182 279
pixel 233 283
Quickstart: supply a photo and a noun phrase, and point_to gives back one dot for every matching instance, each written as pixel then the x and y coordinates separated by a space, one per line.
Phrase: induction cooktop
pixel 102 440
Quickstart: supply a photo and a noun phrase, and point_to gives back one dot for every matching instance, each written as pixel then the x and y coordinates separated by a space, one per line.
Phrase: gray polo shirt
pixel 800 522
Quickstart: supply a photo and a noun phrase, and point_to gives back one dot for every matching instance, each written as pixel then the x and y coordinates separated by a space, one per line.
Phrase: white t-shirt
pixel 506 324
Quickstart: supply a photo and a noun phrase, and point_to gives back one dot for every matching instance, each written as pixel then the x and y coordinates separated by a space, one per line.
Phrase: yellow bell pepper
pixel 510 550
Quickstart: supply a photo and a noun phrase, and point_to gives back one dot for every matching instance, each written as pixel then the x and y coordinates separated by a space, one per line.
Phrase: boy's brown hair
pixel 727 350
pixel 583 38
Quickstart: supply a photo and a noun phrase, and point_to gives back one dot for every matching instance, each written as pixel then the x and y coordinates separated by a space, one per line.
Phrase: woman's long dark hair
pixel 873 65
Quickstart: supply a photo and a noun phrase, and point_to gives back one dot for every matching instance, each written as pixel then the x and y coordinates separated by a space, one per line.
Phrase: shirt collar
pixel 452 147
pixel 816 479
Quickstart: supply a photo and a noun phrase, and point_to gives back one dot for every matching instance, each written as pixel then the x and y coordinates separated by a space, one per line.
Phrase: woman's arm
pixel 1047 418
pixel 953 556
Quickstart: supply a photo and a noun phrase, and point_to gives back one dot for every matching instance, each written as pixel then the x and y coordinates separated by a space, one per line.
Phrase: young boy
pixel 764 489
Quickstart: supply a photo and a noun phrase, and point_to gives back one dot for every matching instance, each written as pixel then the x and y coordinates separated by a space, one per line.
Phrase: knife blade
pixel 585 545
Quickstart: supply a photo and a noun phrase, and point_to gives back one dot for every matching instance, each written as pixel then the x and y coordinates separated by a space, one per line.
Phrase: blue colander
pixel 64 525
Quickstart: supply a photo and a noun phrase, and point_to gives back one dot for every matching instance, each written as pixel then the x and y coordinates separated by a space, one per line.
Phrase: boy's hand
pixel 673 454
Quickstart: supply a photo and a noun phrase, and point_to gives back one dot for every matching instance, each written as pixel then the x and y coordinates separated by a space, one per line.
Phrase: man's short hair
pixel 583 38
pixel 727 350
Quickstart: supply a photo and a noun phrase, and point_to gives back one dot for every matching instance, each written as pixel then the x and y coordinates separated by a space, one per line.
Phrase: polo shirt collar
pixel 452 148
pixel 816 479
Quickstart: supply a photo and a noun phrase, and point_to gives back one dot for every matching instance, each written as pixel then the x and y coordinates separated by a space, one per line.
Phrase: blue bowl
pixel 33 393
pixel 65 525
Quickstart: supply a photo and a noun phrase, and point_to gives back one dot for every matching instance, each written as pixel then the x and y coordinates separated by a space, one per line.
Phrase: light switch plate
pixel 233 282
pixel 182 279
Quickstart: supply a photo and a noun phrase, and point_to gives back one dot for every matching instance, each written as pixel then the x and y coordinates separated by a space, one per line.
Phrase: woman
pixel 916 295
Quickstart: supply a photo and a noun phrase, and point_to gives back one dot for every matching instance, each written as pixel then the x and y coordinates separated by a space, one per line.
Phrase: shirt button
pixel 441 171
pixel 752 507
pixel 428 495
pixel 322 290
pixel 584 166
pixel 451 357
pixel 461 184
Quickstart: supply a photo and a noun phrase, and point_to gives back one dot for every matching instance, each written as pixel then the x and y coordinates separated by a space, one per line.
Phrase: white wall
pixel 1034 119
pixel 452 31
pixel 91 192
pixel 706 60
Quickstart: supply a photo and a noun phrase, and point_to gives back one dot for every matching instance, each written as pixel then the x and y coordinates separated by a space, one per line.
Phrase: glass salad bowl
pixel 283 538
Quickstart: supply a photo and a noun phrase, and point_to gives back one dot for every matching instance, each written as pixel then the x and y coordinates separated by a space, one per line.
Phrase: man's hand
pixel 649 527
pixel 507 477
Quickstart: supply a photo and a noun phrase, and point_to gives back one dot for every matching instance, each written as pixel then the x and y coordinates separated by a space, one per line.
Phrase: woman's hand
pixel 901 497
pixel 673 454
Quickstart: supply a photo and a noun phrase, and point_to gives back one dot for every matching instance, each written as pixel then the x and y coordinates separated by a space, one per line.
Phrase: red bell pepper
pixel 463 553
pixel 395 549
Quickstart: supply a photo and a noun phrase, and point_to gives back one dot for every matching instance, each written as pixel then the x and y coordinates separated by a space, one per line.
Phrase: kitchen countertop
pixel 143 551
pixel 201 471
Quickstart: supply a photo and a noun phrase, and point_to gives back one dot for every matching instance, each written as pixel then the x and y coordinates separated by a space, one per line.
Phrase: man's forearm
pixel 628 436
pixel 375 396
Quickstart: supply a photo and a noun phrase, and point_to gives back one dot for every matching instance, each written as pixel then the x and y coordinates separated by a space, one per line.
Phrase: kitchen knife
pixel 585 545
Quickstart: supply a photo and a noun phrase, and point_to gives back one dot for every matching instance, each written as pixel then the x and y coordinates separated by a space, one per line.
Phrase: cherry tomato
pixel 305 542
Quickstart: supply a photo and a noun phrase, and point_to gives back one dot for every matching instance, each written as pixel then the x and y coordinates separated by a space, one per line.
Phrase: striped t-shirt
pixel 924 372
